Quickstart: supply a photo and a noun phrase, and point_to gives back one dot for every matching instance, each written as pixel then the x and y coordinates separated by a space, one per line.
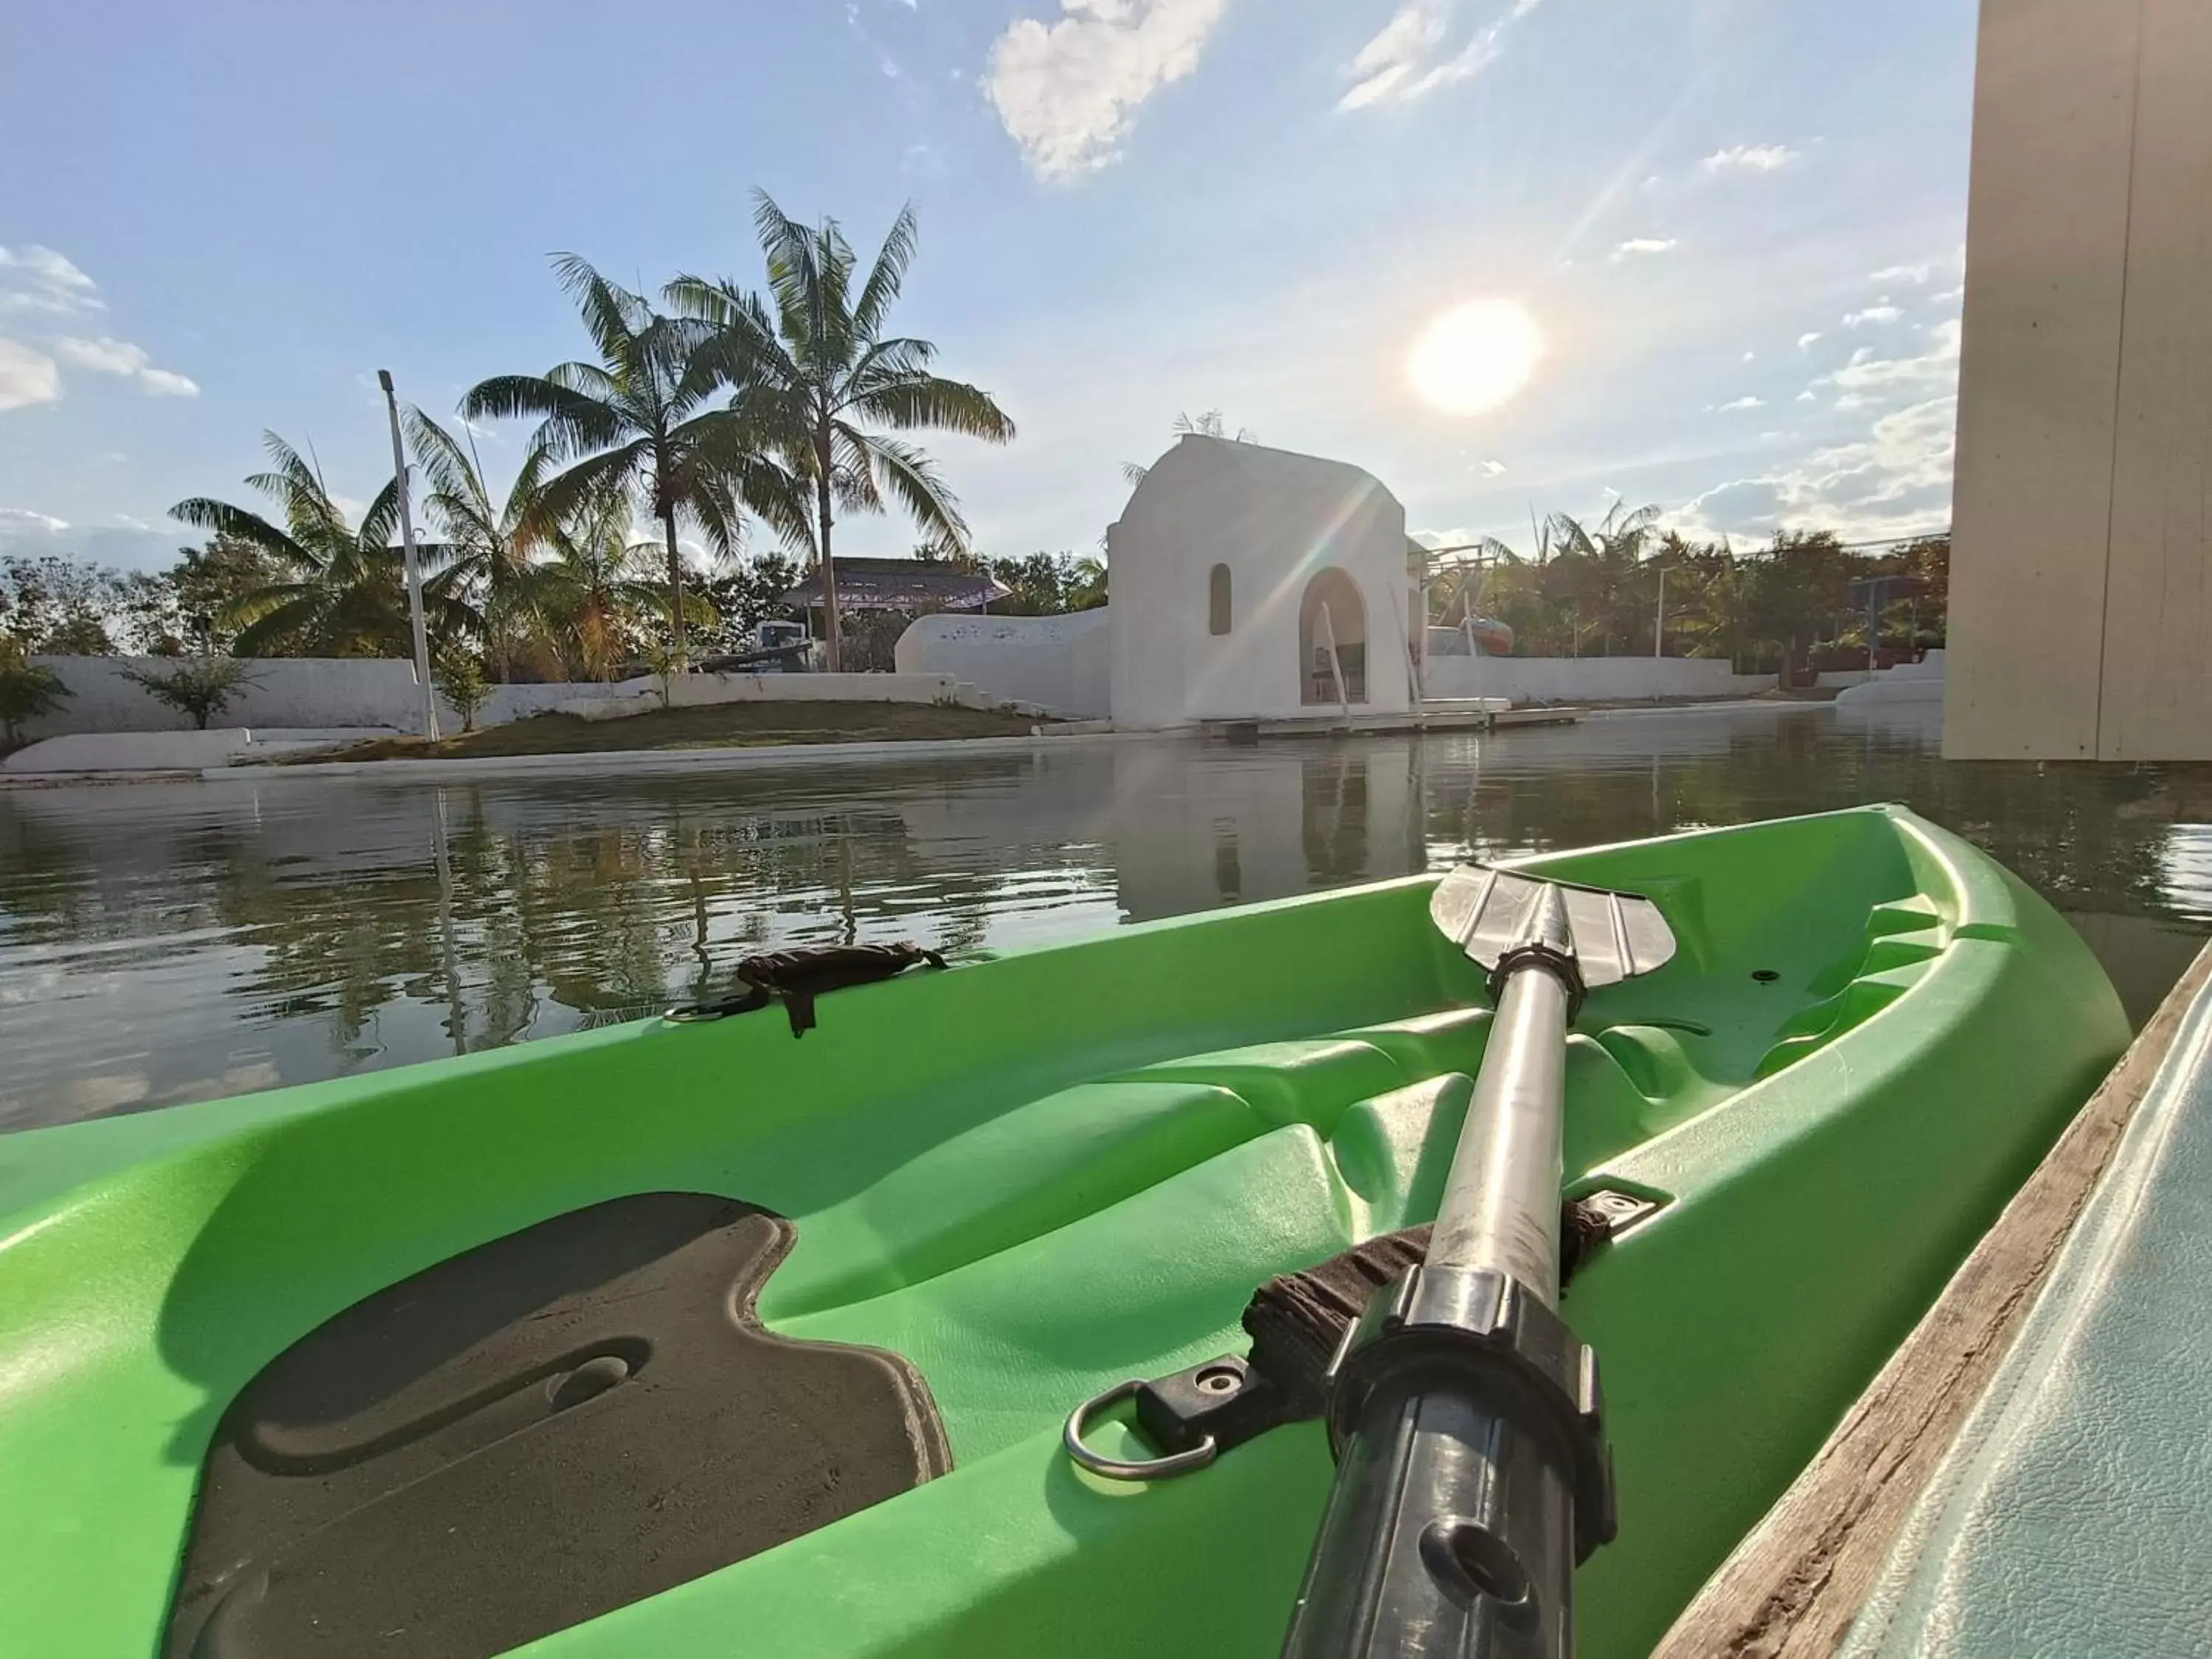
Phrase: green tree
pixel 26 691
pixel 60 606
pixel 746 595
pixel 209 583
pixel 1038 586
pixel 814 369
pixel 202 687
pixel 642 423
pixel 458 672
pixel 491 546
pixel 598 593
pixel 1086 584
pixel 1598 573
pixel 340 589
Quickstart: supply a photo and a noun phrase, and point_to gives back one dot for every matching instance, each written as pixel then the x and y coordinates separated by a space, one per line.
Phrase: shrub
pixel 26 690
pixel 460 677
pixel 199 686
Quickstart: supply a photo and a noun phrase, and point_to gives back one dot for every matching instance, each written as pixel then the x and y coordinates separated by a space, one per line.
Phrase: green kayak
pixel 690 1338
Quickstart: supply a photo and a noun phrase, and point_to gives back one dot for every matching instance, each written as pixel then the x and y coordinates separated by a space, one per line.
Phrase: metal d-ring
pixel 1114 1468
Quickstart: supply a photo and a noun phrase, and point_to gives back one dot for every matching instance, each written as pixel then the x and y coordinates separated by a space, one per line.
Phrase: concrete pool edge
pixel 734 757
pixel 674 760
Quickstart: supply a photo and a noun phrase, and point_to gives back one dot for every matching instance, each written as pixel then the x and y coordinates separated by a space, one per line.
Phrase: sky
pixel 1725 237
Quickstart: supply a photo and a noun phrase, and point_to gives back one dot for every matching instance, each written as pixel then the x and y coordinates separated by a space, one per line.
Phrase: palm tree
pixel 1207 425
pixel 590 597
pixel 1086 584
pixel 642 422
pixel 813 375
pixel 1599 570
pixel 491 546
pixel 343 591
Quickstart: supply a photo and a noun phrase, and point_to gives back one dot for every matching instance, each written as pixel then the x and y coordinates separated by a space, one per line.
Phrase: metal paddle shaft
pixel 1472 1470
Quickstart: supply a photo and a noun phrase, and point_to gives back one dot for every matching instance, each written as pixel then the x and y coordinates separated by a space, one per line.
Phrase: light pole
pixel 414 571
pixel 1659 625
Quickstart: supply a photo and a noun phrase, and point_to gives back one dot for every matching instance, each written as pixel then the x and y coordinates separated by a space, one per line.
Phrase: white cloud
pixel 1745 402
pixel 1068 91
pixel 16 521
pixel 110 357
pixel 35 278
pixel 1456 536
pixel 1636 245
pixel 1895 482
pixel 1867 379
pixel 27 377
pixel 1948 296
pixel 1413 53
pixel 1884 312
pixel 1806 339
pixel 1914 275
pixel 1491 469
pixel 1749 158
pixel 1807 398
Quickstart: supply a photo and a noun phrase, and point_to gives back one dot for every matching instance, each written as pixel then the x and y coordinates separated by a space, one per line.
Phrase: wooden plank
pixel 1793 1587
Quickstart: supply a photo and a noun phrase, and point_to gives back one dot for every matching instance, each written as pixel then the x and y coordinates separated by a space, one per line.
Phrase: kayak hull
pixel 1034 1176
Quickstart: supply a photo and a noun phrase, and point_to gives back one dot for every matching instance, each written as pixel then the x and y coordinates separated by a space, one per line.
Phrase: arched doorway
pixel 1331 640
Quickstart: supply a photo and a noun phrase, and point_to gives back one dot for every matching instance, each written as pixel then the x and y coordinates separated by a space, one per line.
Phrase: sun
pixel 1474 357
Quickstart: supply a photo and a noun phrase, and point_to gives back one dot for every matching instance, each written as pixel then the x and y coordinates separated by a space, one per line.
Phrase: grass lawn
pixel 719 726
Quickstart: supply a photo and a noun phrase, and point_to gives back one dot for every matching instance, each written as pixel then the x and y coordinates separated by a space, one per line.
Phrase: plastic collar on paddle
pixel 1299 1324
pixel 1488 1337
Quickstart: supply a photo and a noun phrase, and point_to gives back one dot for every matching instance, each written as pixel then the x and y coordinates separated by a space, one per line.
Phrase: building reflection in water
pixel 161 943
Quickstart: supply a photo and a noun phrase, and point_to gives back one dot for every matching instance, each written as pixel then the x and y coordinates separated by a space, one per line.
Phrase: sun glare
pixel 1474 357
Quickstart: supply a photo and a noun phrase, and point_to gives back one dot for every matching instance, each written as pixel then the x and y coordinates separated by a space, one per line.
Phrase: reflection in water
pixel 161 943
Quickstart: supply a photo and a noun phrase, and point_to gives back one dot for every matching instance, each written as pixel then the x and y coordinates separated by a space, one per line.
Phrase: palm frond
pixel 571 422
pixel 886 275
pixel 380 526
pixel 203 512
pixel 904 473
pixel 613 316
pixel 930 400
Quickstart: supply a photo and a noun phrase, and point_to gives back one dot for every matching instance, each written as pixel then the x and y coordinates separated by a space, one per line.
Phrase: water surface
pixel 162 942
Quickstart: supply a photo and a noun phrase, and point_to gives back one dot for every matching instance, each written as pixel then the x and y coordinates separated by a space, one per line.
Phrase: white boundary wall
pixel 1060 662
pixel 1577 679
pixel 380 693
pixel 1909 682
pixel 296 691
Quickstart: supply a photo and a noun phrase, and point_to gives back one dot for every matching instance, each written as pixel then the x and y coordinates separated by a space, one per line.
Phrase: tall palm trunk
pixel 675 588
pixel 833 635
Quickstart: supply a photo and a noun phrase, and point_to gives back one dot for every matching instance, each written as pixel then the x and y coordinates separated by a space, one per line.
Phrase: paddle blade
pixel 1487 912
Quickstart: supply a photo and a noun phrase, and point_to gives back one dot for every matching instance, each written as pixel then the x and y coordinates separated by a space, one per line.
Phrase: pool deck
pixel 1796 1585
pixel 735 757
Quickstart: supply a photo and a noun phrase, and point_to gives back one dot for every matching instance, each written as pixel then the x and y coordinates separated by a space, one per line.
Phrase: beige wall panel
pixel 2157 701
pixel 2054 98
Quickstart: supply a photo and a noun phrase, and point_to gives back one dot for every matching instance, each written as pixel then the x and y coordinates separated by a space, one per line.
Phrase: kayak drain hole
pixel 1765 976
pixel 591 1378
pixel 1466 1556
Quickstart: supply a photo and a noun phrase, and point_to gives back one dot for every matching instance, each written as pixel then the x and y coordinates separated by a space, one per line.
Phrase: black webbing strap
pixel 797 977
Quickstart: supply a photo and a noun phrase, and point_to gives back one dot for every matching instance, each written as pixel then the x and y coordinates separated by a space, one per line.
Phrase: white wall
pixel 379 692
pixel 1579 679
pixel 1275 519
pixel 318 691
pixel 1060 662
pixel 2081 615
pixel 1909 682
